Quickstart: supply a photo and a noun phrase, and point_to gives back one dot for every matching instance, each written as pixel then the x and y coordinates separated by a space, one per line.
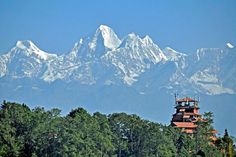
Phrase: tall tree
pixel 229 149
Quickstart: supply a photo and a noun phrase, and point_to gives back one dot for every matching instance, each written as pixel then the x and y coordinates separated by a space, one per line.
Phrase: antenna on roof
pixel 176 98
pixel 195 101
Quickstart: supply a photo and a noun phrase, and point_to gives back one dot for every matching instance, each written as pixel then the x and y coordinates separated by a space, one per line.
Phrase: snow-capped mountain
pixel 106 73
pixel 105 59
pixel 25 60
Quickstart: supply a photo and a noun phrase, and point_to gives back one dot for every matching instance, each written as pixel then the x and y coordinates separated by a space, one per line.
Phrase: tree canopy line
pixel 26 132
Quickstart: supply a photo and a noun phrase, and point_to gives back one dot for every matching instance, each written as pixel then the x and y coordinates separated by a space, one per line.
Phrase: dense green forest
pixel 34 132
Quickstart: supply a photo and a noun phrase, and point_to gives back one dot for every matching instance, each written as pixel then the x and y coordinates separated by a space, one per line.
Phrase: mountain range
pixel 107 73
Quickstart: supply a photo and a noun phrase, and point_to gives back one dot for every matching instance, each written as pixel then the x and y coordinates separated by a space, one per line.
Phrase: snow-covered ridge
pixel 31 48
pixel 172 55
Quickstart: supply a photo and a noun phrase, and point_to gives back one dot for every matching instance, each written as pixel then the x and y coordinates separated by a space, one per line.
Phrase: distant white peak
pixel 131 40
pixel 26 44
pixel 104 28
pixel 229 45
pixel 31 48
pixel 110 39
pixel 147 40
pixel 132 36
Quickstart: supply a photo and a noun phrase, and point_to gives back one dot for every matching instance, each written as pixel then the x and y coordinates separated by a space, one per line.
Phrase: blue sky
pixel 56 25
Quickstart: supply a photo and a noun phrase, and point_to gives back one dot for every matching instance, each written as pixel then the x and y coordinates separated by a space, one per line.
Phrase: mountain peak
pixel 110 39
pixel 131 38
pixel 30 48
pixel 25 44
pixel 104 28
pixel 135 40
pixel 147 39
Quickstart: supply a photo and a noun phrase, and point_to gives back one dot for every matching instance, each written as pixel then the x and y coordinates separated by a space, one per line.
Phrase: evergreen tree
pixel 229 149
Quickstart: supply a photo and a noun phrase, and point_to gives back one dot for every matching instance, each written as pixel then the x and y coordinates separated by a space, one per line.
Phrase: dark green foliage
pixel 25 132
pixel 229 150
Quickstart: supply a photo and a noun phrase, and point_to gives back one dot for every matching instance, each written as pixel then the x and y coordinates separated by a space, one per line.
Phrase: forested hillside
pixel 34 132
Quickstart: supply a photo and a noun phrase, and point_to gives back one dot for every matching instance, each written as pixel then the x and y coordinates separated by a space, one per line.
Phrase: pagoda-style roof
pixel 184 124
pixel 186 106
pixel 186 100
pixel 186 103
pixel 191 113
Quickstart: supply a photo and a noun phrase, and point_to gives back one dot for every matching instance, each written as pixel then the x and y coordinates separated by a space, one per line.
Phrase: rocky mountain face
pixel 105 59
